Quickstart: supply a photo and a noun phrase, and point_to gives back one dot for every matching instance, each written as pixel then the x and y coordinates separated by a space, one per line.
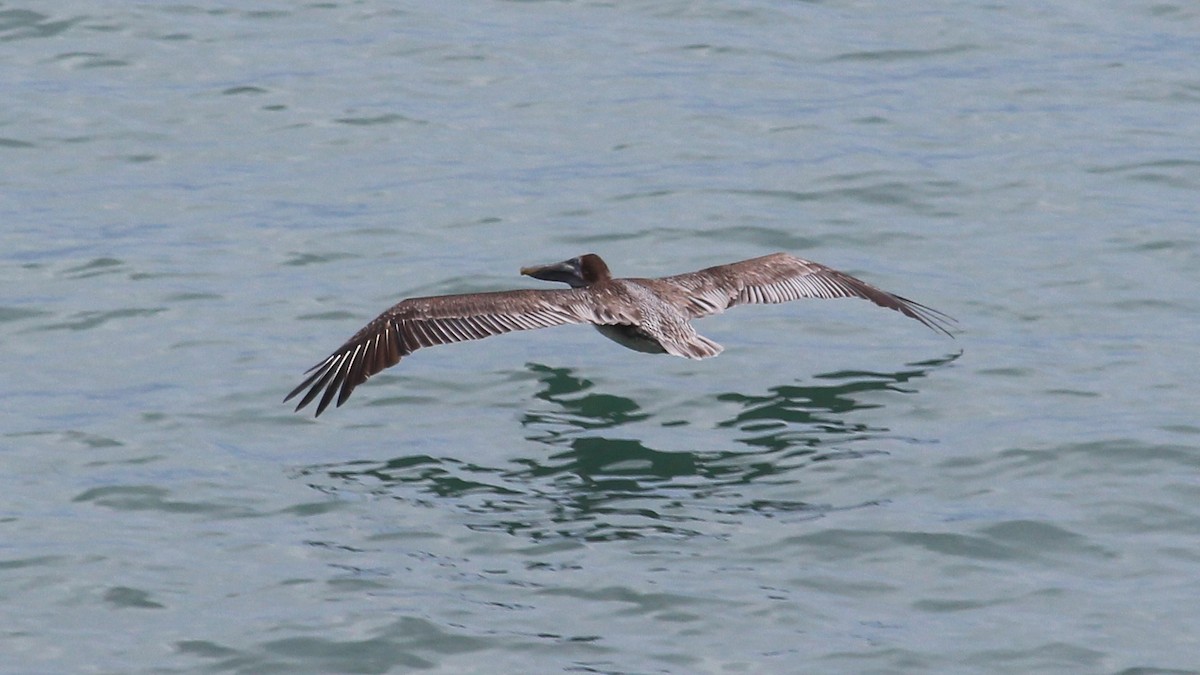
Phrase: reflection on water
pixel 589 475
pixel 589 411
pixel 788 415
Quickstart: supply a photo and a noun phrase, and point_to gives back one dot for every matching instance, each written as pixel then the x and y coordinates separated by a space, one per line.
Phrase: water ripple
pixel 600 482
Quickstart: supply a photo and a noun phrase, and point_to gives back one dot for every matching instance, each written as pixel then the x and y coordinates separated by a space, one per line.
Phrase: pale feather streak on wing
pixel 427 322
pixel 780 277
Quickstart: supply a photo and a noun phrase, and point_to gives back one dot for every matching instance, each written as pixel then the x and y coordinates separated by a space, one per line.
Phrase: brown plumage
pixel 648 315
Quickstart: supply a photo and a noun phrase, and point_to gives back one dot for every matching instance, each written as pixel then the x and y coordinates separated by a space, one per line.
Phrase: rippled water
pixel 200 201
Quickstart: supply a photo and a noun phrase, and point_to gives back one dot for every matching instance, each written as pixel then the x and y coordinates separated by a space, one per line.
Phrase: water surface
pixel 201 201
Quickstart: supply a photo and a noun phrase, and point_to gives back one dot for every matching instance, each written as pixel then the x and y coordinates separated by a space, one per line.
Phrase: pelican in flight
pixel 646 315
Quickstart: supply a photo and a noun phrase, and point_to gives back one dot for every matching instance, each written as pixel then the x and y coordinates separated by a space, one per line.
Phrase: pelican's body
pixel 645 315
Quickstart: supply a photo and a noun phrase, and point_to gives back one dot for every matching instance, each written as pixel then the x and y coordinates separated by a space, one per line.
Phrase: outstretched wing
pixel 426 322
pixel 780 277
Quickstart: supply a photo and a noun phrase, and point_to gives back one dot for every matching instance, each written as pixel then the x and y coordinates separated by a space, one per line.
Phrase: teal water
pixel 200 201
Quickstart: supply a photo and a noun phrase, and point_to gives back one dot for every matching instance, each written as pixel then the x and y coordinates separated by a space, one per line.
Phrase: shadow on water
pixel 601 479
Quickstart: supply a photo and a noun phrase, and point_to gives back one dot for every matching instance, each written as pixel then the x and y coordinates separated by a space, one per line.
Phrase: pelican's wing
pixel 780 277
pixel 426 322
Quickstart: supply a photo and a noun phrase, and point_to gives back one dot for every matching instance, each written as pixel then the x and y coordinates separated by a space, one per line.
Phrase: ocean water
pixel 200 201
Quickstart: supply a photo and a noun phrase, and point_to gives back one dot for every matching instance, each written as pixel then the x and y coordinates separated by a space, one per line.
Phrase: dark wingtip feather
pixel 934 319
pixel 319 377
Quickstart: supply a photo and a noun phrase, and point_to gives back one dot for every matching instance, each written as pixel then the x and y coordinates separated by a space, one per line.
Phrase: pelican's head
pixel 578 272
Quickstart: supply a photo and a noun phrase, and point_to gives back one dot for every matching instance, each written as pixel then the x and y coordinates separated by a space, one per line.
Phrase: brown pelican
pixel 646 315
